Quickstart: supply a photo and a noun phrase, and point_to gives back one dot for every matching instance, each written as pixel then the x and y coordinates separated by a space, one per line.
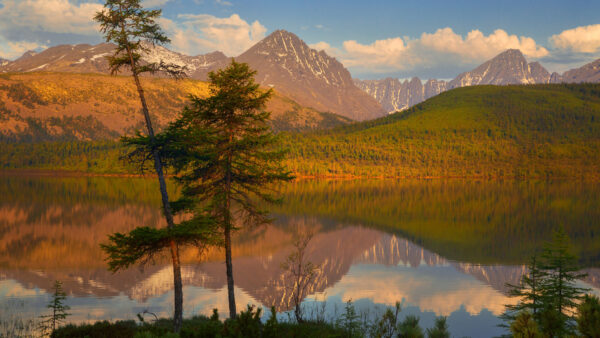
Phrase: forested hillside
pixel 484 131
pixel 537 130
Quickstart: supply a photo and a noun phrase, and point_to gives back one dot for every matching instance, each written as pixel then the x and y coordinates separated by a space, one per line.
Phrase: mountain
pixel 4 62
pixel 395 95
pixel 283 61
pixel 68 106
pixel 310 77
pixel 589 73
pixel 197 67
pixel 509 67
pixel 81 58
pixel 84 58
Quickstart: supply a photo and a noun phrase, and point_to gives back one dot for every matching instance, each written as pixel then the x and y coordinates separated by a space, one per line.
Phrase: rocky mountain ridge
pixel 310 77
pixel 508 67
pixel 282 61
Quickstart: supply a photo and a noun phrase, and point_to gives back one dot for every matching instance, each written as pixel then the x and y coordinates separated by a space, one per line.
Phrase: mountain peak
pixel 508 67
pixel 310 77
pixel 27 55
pixel 511 52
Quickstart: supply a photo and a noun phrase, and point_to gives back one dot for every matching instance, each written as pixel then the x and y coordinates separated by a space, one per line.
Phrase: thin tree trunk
pixel 229 266
pixel 177 283
pixel 228 263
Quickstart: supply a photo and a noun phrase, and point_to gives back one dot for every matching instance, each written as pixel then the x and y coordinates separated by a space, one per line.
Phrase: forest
pixel 541 131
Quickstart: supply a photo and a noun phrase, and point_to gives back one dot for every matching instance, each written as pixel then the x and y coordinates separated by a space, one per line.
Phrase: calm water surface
pixel 441 247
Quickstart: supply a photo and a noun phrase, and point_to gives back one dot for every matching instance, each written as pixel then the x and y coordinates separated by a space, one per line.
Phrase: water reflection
pixel 375 243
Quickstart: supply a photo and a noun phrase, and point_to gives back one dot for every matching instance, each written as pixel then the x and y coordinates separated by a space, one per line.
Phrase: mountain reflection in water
pixel 365 244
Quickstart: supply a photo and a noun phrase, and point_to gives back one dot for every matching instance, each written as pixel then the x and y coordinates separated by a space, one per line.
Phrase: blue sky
pixel 374 39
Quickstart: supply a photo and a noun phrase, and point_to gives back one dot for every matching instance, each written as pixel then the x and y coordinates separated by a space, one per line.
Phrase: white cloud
pixel 195 34
pixel 442 48
pixel 154 3
pixel 583 39
pixel 55 16
pixel 324 46
pixel 476 45
pixel 13 49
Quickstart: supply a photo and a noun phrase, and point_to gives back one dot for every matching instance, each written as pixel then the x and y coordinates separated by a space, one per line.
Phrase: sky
pixel 373 39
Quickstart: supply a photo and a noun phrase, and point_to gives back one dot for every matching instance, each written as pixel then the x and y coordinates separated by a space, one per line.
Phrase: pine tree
pixel 548 292
pixel 130 27
pixel 588 316
pixel 440 329
pixel 524 326
pixel 222 150
pixel 59 310
pixel 558 286
pixel 410 328
pixel 529 291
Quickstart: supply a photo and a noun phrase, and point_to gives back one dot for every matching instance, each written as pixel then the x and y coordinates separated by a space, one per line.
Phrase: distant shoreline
pixel 69 173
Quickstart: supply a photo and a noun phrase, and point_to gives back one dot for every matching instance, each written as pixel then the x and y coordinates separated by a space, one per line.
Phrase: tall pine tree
pixel 558 288
pixel 133 29
pixel 529 291
pixel 549 292
pixel 223 152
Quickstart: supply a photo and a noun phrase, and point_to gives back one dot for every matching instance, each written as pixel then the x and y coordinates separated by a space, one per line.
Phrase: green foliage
pixel 558 286
pixel 349 321
pixel 119 329
pixel 525 326
pixel 95 157
pixel 552 323
pixel 51 322
pixel 246 324
pixel 588 316
pixel 387 326
pixel 221 149
pixel 480 131
pixel 129 26
pixel 439 330
pixel 484 131
pixel 141 244
pixel 549 292
pixel 409 328
pixel 272 324
pixel 530 292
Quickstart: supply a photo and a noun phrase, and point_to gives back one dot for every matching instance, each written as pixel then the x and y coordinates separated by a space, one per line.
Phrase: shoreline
pixel 298 177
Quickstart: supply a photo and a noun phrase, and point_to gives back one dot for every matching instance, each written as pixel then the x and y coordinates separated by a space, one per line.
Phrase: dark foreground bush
pixel 247 324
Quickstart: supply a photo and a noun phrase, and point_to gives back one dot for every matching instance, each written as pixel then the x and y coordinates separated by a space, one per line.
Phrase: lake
pixel 440 247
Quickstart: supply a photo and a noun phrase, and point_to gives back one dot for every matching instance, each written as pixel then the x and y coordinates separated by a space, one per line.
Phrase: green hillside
pixel 488 131
pixel 540 130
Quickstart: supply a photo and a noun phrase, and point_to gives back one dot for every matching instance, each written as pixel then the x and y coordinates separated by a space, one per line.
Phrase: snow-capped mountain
pixel 81 58
pixel 84 58
pixel 509 67
pixel 197 67
pixel 312 78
